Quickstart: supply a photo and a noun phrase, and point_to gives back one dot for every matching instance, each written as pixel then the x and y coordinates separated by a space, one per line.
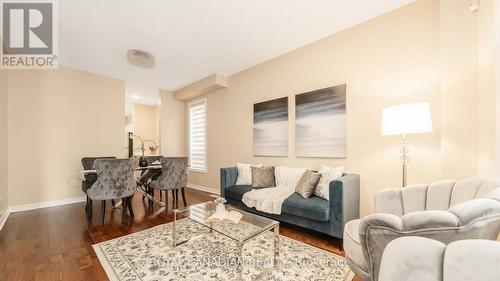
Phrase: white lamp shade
pixel 412 118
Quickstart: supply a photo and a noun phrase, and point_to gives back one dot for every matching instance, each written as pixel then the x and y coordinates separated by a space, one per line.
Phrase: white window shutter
pixel 198 136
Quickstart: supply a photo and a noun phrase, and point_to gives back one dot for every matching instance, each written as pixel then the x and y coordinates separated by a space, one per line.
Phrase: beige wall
pixel 459 94
pixel 3 142
pixel 497 85
pixel 432 51
pixel 486 89
pixel 147 124
pixel 390 60
pixel 469 89
pixel 172 125
pixel 55 117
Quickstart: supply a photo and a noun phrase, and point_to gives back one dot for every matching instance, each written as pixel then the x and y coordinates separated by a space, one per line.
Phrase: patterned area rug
pixel 149 255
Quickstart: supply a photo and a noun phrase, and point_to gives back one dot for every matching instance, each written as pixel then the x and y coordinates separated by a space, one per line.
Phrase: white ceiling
pixel 192 39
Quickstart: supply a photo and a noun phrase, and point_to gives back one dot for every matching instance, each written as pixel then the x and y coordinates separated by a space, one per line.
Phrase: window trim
pixel 194 103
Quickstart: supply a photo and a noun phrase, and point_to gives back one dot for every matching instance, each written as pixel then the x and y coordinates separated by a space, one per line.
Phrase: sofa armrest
pixel 228 178
pixel 344 202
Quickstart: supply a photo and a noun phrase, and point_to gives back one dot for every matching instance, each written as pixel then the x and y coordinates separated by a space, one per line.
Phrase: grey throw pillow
pixel 263 177
pixel 307 184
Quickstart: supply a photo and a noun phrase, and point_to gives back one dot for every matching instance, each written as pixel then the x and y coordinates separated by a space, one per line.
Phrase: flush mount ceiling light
pixel 140 58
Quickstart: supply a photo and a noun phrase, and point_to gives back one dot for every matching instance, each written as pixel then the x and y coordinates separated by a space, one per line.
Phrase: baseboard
pixel 4 218
pixel 203 188
pixel 46 204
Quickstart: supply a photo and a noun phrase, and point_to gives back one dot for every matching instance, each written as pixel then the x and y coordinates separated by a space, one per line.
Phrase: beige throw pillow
pixel 245 173
pixel 307 184
pixel 327 175
pixel 263 177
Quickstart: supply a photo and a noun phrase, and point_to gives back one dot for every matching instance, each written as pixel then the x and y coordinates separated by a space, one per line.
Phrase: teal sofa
pixel 315 213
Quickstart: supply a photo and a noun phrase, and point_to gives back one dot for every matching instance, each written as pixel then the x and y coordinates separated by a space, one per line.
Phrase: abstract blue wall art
pixel 270 128
pixel 320 123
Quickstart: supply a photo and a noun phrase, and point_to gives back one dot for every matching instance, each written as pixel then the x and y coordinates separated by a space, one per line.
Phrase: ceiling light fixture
pixel 135 97
pixel 140 58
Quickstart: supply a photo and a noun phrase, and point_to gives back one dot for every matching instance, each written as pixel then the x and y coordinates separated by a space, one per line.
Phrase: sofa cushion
pixel 314 208
pixel 236 192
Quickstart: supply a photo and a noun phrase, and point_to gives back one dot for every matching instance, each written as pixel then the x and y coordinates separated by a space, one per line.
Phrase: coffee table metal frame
pixel 273 225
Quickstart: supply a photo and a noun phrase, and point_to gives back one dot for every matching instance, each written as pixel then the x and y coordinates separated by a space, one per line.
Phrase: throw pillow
pixel 245 173
pixel 307 184
pixel 327 175
pixel 263 177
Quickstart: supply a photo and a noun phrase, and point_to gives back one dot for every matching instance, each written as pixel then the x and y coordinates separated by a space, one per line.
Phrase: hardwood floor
pixel 56 243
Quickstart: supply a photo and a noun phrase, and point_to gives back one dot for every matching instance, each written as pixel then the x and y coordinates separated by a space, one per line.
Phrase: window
pixel 198 136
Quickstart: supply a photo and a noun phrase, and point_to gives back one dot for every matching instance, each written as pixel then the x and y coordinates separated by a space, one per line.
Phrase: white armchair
pixel 445 211
pixel 423 259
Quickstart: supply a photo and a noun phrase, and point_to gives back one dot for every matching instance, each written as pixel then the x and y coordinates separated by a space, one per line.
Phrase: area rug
pixel 148 255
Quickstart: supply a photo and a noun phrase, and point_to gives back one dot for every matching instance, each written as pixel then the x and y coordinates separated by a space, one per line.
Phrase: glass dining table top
pixel 151 167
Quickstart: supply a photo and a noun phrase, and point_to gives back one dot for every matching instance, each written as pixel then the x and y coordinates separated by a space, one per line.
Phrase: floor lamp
pixel 406 119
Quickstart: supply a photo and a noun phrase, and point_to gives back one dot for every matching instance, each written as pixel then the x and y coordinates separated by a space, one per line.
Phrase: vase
pixel 220 208
pixel 143 162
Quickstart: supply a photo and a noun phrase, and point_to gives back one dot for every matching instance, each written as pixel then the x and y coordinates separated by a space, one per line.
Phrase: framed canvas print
pixel 320 123
pixel 270 128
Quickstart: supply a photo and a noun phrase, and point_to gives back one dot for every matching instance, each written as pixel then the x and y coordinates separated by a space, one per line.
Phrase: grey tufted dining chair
pixel 115 180
pixel 173 177
pixel 89 179
pixel 149 175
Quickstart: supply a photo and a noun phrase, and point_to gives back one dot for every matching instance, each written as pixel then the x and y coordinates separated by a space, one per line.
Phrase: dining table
pixel 150 167
pixel 141 186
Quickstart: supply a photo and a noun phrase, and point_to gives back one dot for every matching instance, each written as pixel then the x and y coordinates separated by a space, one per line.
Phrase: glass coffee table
pixel 249 227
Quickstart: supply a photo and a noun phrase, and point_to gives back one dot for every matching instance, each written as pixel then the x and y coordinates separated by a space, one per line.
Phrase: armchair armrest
pixel 375 232
pixel 477 219
pixel 434 219
pixel 228 178
pixel 344 202
pixel 469 211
